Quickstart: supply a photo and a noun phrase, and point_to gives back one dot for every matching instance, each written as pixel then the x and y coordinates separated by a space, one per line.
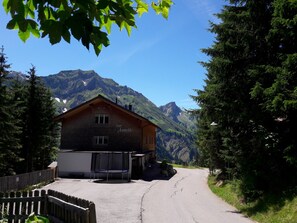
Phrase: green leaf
pixel 53 29
pixel 125 25
pixel 66 35
pixel 98 38
pixel 142 7
pixel 16 8
pixel 107 23
pixel 63 15
pixel 48 12
pixel 12 24
pixel 76 24
pixel 165 12
pixel 23 24
pixel 24 35
pixel 156 8
pixel 102 4
pixel 55 32
pixel 5 5
pixel 97 49
pixel 29 9
pixel 162 7
pixel 33 28
pixel 35 33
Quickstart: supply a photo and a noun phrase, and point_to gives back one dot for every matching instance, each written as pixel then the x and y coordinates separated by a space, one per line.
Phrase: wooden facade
pixel 102 125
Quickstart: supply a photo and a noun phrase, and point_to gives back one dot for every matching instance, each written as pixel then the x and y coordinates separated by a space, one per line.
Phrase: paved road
pixel 184 198
pixel 187 198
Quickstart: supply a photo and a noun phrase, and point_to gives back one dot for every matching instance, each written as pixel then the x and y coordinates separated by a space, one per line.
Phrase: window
pixel 101 140
pixel 101 119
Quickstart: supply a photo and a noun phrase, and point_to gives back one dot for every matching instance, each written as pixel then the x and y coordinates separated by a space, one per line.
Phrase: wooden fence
pixel 22 181
pixel 58 207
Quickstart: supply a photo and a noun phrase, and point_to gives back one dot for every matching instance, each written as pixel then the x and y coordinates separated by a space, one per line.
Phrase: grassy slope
pixel 183 166
pixel 269 209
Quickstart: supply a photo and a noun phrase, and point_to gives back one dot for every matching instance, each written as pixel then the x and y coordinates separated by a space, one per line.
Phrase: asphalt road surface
pixel 185 198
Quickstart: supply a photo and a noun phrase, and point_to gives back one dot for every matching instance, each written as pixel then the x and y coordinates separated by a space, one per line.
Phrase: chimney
pixel 130 107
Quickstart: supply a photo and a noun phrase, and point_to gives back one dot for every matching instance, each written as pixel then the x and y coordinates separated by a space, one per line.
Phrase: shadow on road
pixel 154 172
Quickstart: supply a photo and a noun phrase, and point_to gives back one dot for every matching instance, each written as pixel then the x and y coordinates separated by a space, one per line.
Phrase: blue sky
pixel 159 59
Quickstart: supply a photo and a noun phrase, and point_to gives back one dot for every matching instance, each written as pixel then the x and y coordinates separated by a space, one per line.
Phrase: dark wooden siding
pixel 124 131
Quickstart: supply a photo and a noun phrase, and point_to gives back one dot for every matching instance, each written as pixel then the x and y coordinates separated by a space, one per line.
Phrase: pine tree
pixel 48 131
pixel 240 136
pixel 9 125
pixel 251 93
pixel 39 130
pixel 275 91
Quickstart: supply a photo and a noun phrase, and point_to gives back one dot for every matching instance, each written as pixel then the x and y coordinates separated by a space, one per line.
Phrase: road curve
pixel 186 198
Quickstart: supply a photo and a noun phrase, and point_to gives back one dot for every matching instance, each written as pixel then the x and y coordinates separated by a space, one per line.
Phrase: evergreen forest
pixel 28 135
pixel 247 116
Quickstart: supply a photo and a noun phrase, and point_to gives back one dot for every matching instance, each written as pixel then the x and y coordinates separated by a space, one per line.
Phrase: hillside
pixel 175 139
pixel 172 111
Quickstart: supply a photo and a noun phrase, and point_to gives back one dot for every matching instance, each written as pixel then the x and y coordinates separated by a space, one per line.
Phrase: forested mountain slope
pixel 175 139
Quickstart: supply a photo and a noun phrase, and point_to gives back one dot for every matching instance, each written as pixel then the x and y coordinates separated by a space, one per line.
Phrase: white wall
pixel 74 163
pixel 71 164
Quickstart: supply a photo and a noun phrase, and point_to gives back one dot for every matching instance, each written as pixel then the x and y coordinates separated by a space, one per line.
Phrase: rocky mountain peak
pixel 171 110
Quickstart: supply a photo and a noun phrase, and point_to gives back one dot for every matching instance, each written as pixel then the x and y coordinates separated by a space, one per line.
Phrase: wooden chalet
pixel 102 137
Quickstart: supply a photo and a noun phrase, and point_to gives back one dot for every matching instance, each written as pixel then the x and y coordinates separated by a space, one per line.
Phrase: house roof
pixel 100 98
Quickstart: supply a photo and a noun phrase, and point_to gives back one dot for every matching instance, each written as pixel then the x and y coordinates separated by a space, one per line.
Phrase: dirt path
pixel 185 198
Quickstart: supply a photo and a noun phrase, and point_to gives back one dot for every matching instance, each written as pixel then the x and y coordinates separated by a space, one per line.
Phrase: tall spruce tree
pixel 9 124
pixel 251 93
pixel 276 91
pixel 39 130
pixel 241 89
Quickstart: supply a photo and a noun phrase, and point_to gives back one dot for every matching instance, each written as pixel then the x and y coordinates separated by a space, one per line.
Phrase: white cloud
pixel 128 53
pixel 123 54
pixel 205 8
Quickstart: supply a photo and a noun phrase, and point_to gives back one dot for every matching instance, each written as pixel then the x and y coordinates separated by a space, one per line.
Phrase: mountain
pixel 175 139
pixel 172 111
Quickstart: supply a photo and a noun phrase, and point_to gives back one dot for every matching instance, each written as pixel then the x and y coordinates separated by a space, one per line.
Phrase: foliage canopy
pixel 250 92
pixel 88 21
pixel 28 134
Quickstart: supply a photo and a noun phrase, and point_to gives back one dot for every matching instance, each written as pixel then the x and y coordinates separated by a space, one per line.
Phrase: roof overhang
pixel 97 100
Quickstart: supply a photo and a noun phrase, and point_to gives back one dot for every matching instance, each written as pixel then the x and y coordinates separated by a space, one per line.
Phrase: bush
pixel 163 165
pixel 32 218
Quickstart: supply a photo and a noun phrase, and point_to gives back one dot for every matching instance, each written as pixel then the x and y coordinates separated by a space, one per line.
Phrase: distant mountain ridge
pixel 175 139
pixel 171 110
pixel 178 115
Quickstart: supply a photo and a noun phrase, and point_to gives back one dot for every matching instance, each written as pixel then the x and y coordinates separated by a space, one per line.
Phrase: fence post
pixel 92 212
pixel 10 210
pixel 43 204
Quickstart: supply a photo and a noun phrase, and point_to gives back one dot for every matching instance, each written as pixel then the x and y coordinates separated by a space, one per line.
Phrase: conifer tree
pixel 250 93
pixel 275 91
pixel 39 131
pixel 9 128
pixel 241 134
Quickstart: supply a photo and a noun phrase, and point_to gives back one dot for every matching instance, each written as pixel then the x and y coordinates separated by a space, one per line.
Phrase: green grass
pixel 183 166
pixel 269 209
